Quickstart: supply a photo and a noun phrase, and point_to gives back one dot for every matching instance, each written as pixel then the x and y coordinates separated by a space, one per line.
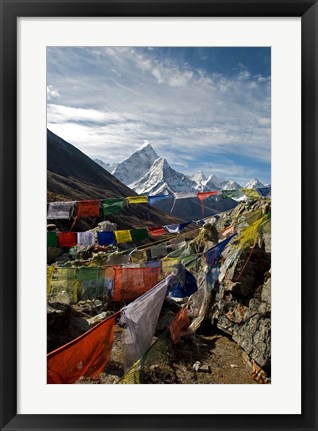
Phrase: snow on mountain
pixel 109 167
pixel 253 184
pixel 137 165
pixel 231 185
pixel 161 179
pixel 198 177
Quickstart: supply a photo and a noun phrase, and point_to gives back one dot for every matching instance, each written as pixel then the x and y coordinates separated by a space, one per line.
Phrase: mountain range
pixel 146 172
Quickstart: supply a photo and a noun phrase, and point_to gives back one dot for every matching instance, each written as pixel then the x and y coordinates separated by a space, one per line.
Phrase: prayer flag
pixel 85 238
pixel 179 325
pixel 168 264
pixel 140 318
pixel 106 238
pixel 91 282
pixel 67 239
pixel 251 193
pixel 157 198
pixel 138 256
pixel 205 195
pixel 264 191
pixel 88 208
pixel 117 258
pixel 49 275
pixel 213 255
pixel 85 356
pixel 157 231
pixel 51 239
pixel 159 250
pixel 139 234
pixel 63 291
pixel 112 206
pixel 60 210
pixel 182 284
pixel 123 236
pixel 132 377
pixel 137 199
pixel 130 283
pixel 230 194
pixel 176 228
pixel 226 232
pixel 185 195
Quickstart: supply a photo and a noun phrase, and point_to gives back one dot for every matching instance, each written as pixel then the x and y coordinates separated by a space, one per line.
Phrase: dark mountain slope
pixel 71 175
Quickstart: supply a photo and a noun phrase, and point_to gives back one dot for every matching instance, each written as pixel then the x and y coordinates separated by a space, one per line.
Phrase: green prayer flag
pixel 139 234
pixel 51 239
pixel 230 194
pixel 112 206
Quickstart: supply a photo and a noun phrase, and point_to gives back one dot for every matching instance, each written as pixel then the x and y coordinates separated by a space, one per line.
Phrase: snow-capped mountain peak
pixel 161 178
pixel 199 177
pixel 231 185
pixel 253 184
pixel 136 165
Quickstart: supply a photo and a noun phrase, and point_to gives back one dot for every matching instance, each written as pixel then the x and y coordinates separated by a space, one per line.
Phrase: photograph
pixel 158 215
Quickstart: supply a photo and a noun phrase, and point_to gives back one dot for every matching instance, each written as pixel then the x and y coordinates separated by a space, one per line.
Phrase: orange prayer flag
pixel 88 208
pixel 130 283
pixel 86 356
pixel 179 325
pixel 204 195
pixel 226 232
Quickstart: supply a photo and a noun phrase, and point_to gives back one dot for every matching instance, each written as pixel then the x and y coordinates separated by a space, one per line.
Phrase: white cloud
pixel 52 92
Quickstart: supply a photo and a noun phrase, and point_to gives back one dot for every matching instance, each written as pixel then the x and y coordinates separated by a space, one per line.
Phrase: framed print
pixel 148 150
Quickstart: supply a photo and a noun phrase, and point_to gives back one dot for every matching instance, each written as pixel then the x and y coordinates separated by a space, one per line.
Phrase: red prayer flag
pixel 87 355
pixel 88 208
pixel 130 283
pixel 157 231
pixel 67 239
pixel 204 195
pixel 179 325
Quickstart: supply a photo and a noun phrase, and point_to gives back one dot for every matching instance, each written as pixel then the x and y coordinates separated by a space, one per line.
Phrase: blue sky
pixel 201 108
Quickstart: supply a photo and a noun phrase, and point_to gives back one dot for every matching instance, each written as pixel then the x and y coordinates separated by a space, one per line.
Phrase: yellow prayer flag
pixel 168 264
pixel 123 236
pixel 251 193
pixel 137 199
pixel 49 272
pixel 132 377
pixel 250 234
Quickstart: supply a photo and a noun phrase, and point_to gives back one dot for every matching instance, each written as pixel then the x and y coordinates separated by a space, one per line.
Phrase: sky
pixel 203 109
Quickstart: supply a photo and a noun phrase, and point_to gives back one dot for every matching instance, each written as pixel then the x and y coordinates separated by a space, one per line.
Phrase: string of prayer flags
pixel 140 318
pixel 213 255
pixel 159 250
pixel 112 206
pixel 139 234
pixel 176 228
pixel 51 239
pixel 137 199
pixel 88 208
pixel 264 191
pixel 60 210
pixel 85 356
pixel 122 236
pixel 251 193
pixel 157 198
pixel 157 231
pixel 67 239
pixel 130 283
pixel 86 239
pixel 179 325
pixel 106 238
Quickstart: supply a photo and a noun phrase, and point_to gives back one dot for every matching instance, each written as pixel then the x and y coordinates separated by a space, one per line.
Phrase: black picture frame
pixel 10 11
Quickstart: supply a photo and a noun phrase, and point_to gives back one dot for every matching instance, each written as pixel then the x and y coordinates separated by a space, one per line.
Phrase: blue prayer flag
pixel 213 255
pixel 106 238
